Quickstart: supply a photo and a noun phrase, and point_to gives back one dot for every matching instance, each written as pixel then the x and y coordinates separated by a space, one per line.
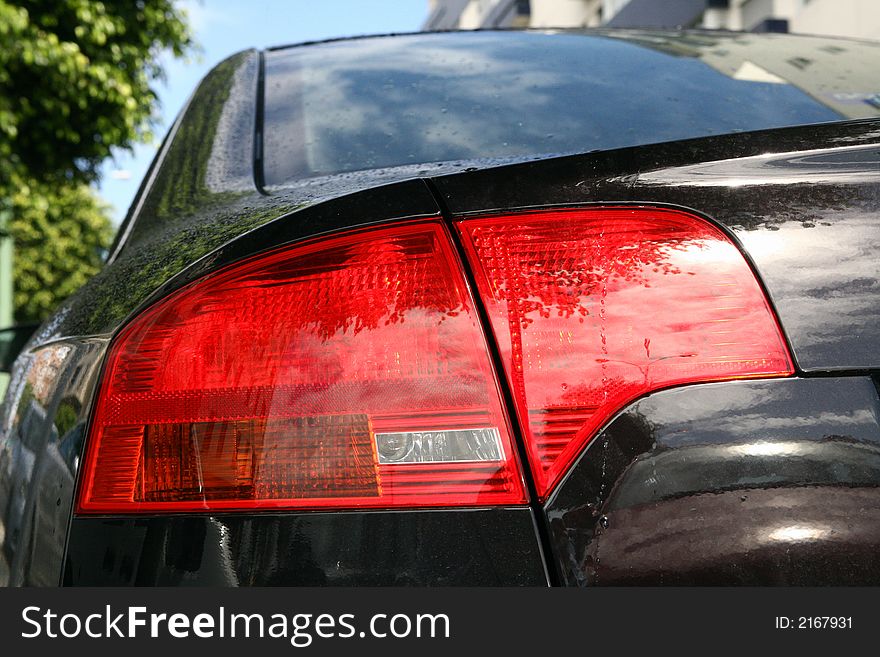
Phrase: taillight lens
pixel 593 308
pixel 348 372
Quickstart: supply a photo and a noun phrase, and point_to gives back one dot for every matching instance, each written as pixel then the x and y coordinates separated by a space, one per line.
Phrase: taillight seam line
pixel 545 543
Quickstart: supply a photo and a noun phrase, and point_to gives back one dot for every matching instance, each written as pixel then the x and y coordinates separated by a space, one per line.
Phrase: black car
pixel 479 308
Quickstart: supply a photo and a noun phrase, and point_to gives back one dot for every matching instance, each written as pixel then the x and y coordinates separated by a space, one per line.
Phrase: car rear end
pixel 476 309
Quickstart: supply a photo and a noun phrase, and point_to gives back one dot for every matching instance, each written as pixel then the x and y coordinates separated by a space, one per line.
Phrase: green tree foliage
pixel 59 237
pixel 76 80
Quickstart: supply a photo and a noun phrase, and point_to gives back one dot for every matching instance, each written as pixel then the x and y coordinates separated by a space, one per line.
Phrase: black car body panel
pixel 41 454
pixel 804 204
pixel 495 547
pixel 774 482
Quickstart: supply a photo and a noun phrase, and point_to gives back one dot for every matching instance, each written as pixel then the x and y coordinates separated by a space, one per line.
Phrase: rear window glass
pixel 390 101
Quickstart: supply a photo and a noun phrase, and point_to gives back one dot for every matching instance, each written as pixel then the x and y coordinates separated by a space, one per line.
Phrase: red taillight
pixel 348 372
pixel 353 372
pixel 593 308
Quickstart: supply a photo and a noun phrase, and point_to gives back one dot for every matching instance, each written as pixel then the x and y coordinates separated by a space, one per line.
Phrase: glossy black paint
pixel 12 341
pixel 45 415
pixel 802 201
pixel 494 547
pixel 765 482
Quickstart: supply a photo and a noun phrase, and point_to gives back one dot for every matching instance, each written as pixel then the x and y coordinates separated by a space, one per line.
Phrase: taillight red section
pixel 348 372
pixel 593 308
pixel 353 371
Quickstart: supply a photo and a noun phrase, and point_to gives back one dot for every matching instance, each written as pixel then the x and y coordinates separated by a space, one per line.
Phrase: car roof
pixel 677 34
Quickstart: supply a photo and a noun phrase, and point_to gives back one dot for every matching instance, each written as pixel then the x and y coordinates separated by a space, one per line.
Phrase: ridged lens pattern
pixel 593 308
pixel 264 384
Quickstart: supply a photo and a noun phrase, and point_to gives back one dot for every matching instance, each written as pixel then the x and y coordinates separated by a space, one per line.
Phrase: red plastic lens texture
pixel 264 385
pixel 593 308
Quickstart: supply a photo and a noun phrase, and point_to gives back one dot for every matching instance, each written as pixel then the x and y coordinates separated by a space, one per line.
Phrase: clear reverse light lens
pixel 439 446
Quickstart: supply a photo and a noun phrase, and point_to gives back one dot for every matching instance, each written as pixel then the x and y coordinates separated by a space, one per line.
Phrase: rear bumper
pixel 481 547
